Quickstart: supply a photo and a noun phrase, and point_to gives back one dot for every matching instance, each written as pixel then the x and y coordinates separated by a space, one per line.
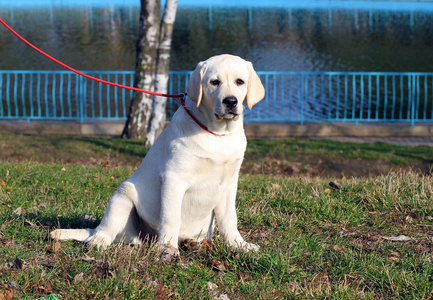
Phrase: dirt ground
pixel 333 168
pixel 288 164
pixel 337 167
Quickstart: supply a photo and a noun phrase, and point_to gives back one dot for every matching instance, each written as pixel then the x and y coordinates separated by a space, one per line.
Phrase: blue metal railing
pixel 346 96
pixel 290 96
pixel 63 95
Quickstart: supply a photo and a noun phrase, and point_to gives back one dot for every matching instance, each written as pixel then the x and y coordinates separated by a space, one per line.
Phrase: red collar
pixel 182 102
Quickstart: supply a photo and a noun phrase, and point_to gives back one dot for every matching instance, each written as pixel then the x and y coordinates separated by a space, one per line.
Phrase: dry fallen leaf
pixel 276 186
pixel 340 248
pixel 29 223
pixel 45 289
pixel 261 235
pixel 87 258
pixel 396 253
pixel 411 217
pixel 216 264
pixel 207 245
pixel 400 238
pixel 57 246
pixel 392 259
pixel 346 233
pixel 18 211
pixel 152 283
pixel 6 293
pixel 211 286
pixel 78 278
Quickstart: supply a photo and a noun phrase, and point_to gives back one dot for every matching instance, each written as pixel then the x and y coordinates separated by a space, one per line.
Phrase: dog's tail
pixel 72 234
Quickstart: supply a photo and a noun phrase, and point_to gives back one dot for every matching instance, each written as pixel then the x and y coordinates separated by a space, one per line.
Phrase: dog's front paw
pixel 169 254
pixel 100 239
pixel 249 247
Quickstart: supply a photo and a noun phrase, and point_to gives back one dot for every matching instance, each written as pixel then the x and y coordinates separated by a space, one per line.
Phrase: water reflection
pixel 277 39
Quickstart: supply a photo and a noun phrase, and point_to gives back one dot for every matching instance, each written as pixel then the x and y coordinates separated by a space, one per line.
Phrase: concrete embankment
pixel 253 129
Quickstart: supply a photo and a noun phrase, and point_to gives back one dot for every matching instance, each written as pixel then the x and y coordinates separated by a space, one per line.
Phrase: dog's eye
pixel 239 82
pixel 215 82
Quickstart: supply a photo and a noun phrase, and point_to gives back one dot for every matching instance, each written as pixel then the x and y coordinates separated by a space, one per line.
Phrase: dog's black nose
pixel 230 102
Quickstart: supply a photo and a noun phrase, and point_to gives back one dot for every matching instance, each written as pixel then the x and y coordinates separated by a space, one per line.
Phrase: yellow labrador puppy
pixel 189 177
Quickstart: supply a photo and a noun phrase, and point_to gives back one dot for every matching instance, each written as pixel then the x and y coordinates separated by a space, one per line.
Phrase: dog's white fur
pixel 189 177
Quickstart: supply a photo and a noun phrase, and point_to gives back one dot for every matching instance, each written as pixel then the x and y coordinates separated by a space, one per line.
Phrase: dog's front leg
pixel 172 193
pixel 226 217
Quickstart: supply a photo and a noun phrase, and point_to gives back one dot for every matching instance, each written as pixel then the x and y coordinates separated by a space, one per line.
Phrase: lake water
pixel 287 36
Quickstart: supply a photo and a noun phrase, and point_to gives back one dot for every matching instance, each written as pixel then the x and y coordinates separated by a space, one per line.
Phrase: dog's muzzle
pixel 230 109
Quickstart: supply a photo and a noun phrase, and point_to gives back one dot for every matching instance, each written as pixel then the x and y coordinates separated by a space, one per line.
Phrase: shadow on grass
pixel 131 148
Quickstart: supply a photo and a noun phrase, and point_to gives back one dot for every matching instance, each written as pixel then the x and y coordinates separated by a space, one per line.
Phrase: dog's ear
pixel 256 91
pixel 194 88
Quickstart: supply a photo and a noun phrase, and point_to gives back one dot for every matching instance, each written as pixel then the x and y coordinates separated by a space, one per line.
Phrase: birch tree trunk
pixel 158 117
pixel 147 43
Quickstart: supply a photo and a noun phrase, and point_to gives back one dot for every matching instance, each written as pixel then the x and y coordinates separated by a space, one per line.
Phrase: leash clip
pixel 182 99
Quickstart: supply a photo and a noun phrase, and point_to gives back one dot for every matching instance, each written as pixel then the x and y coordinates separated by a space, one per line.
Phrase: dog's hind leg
pixel 118 224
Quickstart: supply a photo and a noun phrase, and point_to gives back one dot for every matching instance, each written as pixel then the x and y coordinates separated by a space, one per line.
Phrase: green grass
pixel 316 241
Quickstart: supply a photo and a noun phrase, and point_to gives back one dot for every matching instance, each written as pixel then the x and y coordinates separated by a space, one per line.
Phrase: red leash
pixel 181 96
pixel 83 74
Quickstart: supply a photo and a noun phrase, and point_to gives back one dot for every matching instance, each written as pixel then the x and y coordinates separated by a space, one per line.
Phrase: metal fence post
pixel 302 99
pixel 81 89
pixel 413 100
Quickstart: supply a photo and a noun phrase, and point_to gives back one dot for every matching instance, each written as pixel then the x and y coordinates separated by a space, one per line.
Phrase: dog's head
pixel 223 84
